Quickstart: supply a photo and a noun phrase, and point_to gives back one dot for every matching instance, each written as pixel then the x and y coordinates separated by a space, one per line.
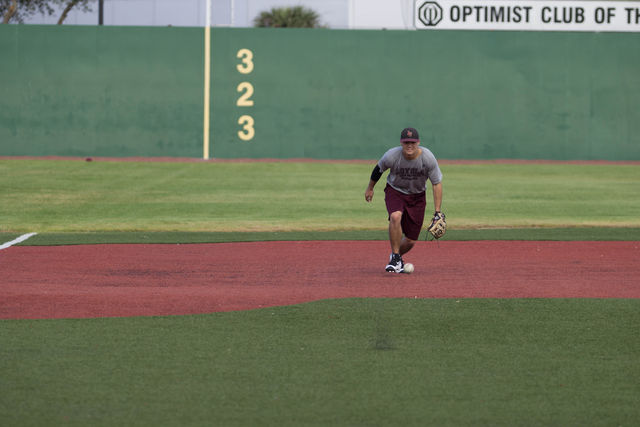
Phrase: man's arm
pixel 437 196
pixel 375 176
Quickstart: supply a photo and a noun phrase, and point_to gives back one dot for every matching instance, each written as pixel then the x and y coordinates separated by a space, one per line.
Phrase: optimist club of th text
pixel 548 14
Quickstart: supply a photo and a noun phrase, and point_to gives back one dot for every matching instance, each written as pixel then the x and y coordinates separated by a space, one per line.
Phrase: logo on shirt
pixel 411 174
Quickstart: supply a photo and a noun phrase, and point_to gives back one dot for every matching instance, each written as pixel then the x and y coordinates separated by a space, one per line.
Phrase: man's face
pixel 410 149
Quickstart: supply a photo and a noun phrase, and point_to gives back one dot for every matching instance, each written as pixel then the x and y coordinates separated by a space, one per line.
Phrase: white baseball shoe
pixel 396 265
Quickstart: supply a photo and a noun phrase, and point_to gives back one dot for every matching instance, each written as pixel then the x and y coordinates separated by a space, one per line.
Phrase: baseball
pixel 408 268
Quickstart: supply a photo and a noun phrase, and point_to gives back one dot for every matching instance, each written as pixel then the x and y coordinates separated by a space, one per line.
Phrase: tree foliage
pixel 288 17
pixel 19 10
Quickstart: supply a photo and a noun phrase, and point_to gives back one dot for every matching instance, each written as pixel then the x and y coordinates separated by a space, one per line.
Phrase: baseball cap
pixel 409 135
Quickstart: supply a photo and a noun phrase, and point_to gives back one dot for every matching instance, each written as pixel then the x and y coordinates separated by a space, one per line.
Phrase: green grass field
pixel 349 362
pixel 70 196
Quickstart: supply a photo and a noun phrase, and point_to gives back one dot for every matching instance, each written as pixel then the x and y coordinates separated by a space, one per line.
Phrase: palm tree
pixel 288 17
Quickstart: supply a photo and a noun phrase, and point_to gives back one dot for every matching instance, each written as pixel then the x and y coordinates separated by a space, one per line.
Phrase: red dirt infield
pixel 152 280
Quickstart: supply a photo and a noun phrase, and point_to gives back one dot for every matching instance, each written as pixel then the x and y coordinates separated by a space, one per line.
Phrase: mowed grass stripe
pixel 72 196
pixel 169 237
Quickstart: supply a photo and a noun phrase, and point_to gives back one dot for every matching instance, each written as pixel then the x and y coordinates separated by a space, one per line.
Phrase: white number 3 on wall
pixel 247 61
pixel 247 132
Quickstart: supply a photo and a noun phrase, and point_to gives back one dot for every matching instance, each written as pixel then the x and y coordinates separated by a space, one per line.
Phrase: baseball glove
pixel 438 225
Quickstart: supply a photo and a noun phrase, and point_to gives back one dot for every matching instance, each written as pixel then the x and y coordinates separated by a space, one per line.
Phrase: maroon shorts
pixel 412 207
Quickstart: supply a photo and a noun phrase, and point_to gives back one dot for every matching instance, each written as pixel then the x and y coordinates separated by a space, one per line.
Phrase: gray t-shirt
pixel 410 176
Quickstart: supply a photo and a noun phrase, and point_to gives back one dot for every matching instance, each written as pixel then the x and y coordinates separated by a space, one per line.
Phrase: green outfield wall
pixel 107 91
pixel 329 94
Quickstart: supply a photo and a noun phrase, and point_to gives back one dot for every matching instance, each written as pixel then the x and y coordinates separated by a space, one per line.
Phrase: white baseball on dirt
pixel 408 268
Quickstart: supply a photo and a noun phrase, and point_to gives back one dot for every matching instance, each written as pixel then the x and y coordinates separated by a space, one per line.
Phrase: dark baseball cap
pixel 409 135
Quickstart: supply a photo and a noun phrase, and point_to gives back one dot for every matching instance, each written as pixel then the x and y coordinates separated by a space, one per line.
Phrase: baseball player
pixel 410 166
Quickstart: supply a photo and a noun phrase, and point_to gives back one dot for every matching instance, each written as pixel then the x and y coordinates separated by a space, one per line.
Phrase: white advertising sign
pixel 593 16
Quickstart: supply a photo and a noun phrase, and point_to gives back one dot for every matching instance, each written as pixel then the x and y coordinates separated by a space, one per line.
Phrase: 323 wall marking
pixel 245 89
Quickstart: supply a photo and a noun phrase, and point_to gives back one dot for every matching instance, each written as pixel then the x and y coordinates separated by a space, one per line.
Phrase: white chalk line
pixel 17 240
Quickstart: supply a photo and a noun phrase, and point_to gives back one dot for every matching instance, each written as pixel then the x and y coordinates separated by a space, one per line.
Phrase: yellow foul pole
pixel 207 80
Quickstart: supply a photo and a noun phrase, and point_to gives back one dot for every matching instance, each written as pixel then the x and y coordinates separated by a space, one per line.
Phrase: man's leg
pixel 395 239
pixel 395 231
pixel 406 245
pixel 399 244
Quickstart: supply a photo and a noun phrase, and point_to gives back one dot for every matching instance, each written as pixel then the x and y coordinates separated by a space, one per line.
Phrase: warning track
pixel 147 280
